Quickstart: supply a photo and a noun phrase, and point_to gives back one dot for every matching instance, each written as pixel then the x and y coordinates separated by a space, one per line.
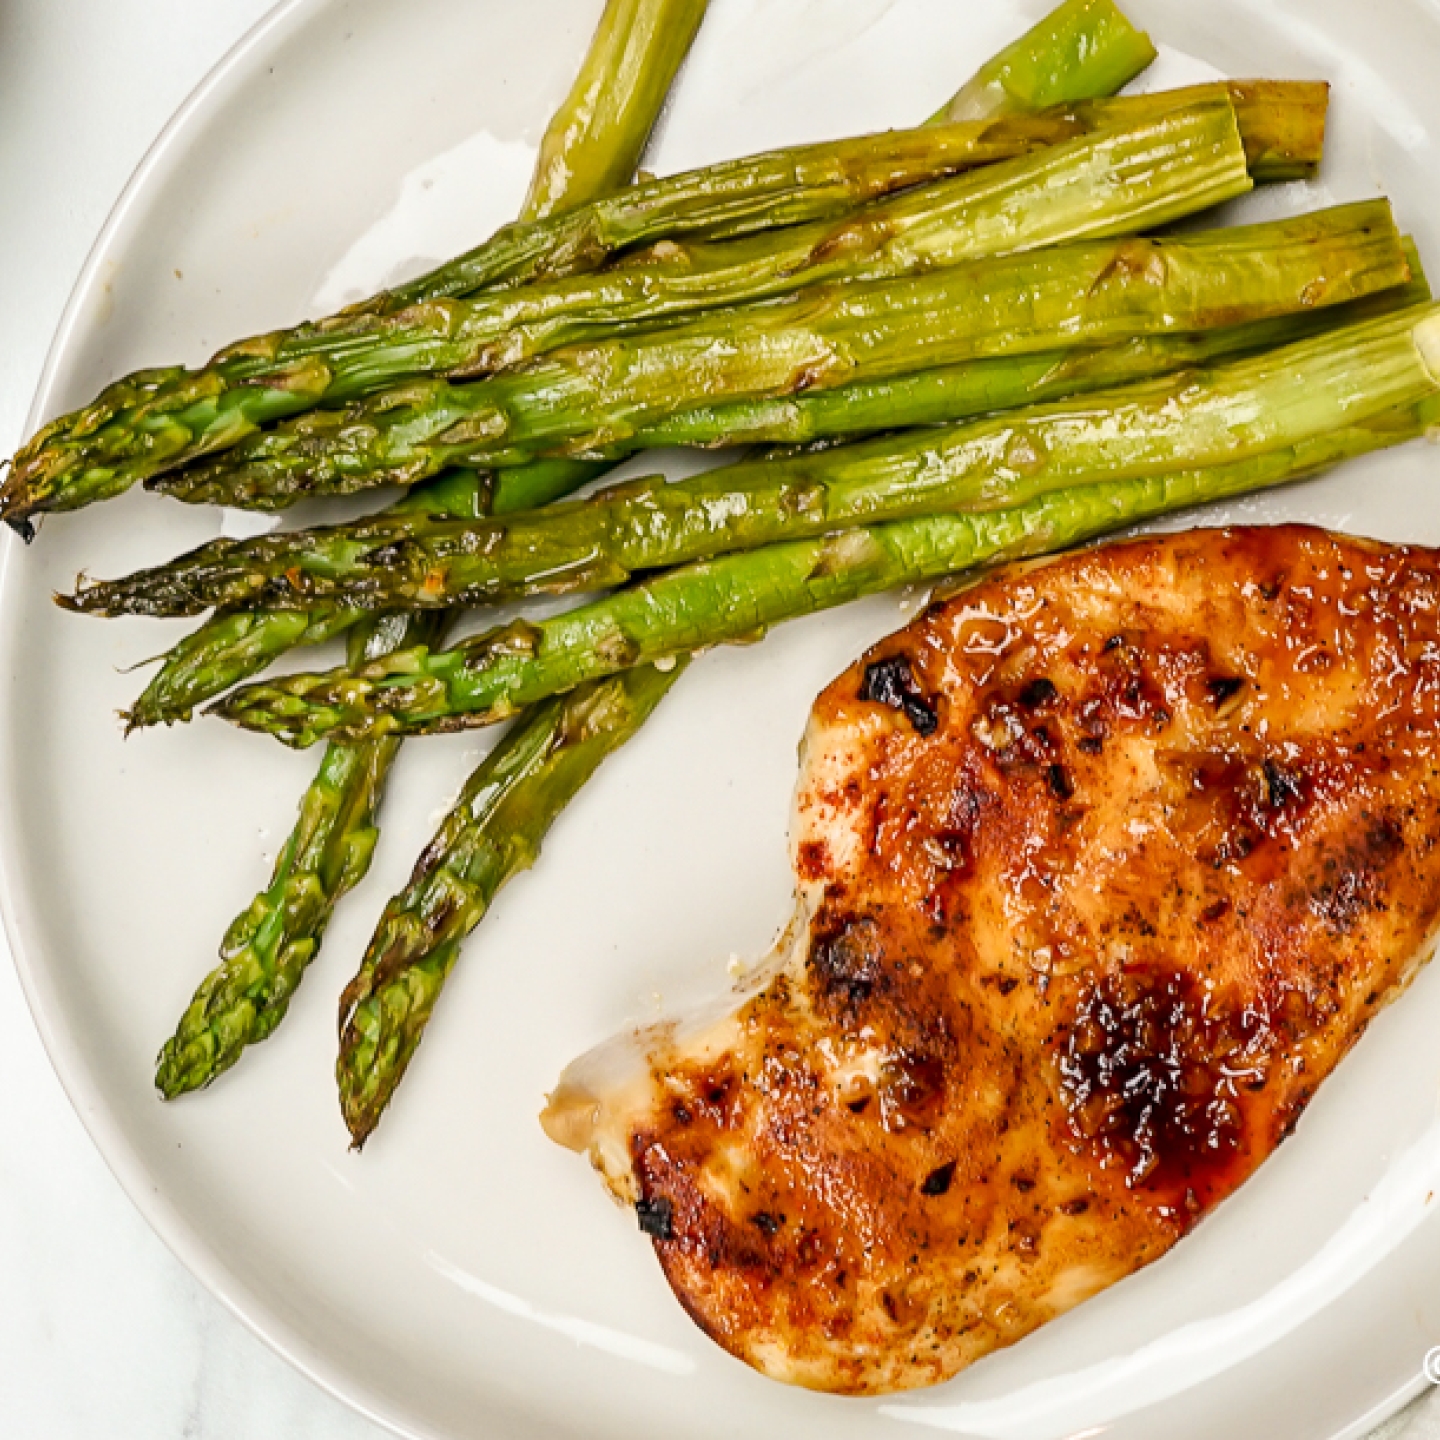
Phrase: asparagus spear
pixel 601 395
pixel 1081 48
pixel 266 949
pixel 594 140
pixel 1097 185
pixel 494 831
pixel 591 148
pixel 1281 125
pixel 739 595
pixel 226 649
pixel 417 560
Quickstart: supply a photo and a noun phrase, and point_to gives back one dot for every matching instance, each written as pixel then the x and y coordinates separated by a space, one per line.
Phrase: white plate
pixel 464 1277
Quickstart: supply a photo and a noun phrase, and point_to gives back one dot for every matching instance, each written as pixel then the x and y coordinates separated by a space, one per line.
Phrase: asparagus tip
pixel 360 1124
pixel 173 1080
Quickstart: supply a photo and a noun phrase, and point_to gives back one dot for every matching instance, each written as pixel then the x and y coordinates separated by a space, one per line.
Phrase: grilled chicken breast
pixel 1103 866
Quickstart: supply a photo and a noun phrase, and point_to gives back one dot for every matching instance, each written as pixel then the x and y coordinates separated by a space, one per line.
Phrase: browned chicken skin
pixel 1104 864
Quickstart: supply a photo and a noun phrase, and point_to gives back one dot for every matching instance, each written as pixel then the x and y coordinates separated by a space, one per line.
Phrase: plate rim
pixel 92 1107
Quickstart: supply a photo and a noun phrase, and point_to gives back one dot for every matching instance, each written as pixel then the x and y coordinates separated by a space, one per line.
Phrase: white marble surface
pixel 102 1333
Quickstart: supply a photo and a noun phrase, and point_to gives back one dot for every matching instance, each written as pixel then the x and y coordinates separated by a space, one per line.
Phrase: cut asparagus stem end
pixel 1426 335
pixel 1081 48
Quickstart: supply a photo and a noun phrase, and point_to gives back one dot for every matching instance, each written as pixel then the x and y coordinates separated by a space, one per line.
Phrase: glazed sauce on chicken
pixel 1104 864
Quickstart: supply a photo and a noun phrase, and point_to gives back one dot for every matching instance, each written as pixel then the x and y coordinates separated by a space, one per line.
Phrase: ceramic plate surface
pixel 466 1278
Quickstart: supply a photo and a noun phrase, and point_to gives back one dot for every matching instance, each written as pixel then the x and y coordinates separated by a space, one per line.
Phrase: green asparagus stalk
pixel 494 831
pixel 1098 185
pixel 600 396
pixel 418 560
pixel 150 418
pixel 1082 48
pixel 592 147
pixel 594 140
pixel 1283 127
pixel 228 648
pixel 740 595
pixel 1104 184
pixel 266 949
